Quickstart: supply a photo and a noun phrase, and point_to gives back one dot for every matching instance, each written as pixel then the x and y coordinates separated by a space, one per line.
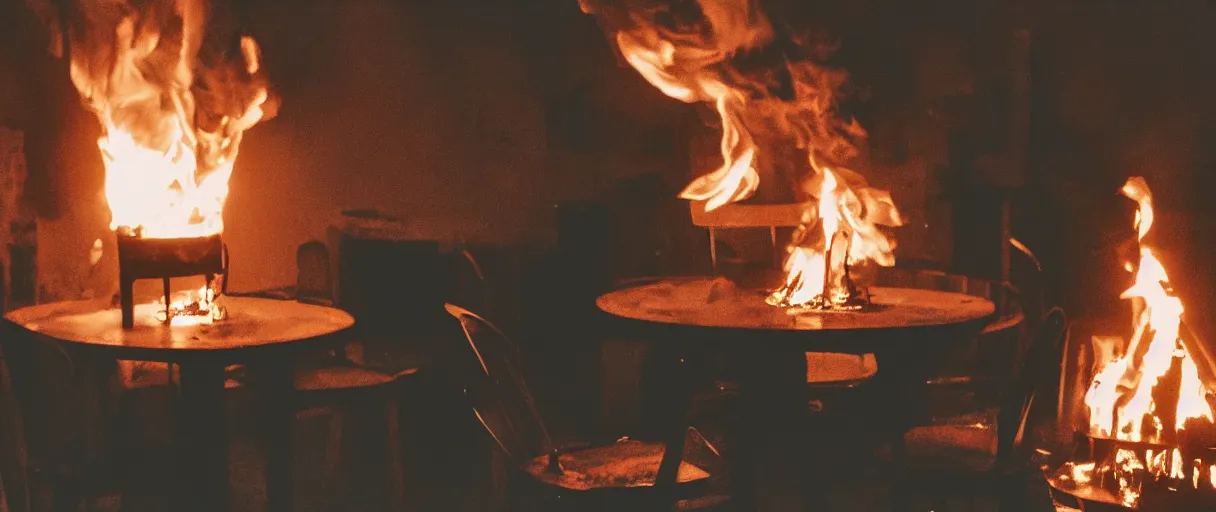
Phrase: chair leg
pixel 334 482
pixel 899 495
pixel 1011 492
pixel 67 497
pixel 396 471
pixel 978 496
pixel 503 493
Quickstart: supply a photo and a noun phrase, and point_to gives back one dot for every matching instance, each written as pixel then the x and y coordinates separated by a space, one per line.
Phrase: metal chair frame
pixel 662 496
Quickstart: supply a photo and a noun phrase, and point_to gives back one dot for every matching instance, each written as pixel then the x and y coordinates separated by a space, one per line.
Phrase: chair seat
pixel 966 443
pixel 622 464
pixel 831 367
pixel 709 503
pixel 332 378
pixel 343 377
pixel 143 374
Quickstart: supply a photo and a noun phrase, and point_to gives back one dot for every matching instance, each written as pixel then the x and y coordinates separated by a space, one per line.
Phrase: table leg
pixel 901 377
pixel 682 379
pixel 771 458
pixel 201 440
pixel 275 391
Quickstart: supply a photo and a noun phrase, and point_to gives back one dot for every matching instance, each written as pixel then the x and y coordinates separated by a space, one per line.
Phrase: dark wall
pixel 1125 88
pixel 474 118
pixel 469 119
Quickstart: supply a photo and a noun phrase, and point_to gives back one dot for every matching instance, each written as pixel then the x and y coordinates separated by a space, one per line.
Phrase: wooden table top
pixel 709 304
pixel 252 324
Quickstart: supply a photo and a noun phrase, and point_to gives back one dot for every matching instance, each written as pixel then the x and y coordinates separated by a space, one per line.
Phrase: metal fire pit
pixel 1193 491
pixel 1077 446
pixel 166 258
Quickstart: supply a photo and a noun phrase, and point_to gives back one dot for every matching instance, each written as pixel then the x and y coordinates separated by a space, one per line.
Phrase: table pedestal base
pixel 771 461
pixel 201 440
pixel 778 461
pixel 203 466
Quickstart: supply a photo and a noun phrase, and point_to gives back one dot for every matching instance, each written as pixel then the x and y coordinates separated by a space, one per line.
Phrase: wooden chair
pixel 624 474
pixel 42 381
pixel 73 422
pixel 985 455
pixel 971 375
pixel 339 385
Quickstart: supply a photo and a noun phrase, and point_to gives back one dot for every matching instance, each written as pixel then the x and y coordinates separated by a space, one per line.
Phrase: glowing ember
pixel 688 51
pixel 192 307
pixel 1082 473
pixel 168 141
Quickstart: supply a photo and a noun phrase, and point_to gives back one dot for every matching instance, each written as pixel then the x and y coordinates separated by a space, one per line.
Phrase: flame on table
pixel 688 50
pixel 172 117
pixel 843 230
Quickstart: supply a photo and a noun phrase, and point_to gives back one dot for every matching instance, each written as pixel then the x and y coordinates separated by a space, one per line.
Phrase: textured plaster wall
pixel 429 111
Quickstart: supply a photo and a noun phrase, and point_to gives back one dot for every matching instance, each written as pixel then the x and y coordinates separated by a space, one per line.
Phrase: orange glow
pixel 692 63
pixel 1082 473
pixel 168 141
pixel 1121 398
pixel 192 307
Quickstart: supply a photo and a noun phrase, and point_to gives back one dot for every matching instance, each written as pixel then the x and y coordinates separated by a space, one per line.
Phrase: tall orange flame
pixel 1120 398
pixel 688 50
pixel 687 70
pixel 848 220
pixel 1123 398
pixel 171 127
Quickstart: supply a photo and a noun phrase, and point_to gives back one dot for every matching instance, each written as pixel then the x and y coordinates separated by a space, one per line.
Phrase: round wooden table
pixel 908 330
pixel 261 333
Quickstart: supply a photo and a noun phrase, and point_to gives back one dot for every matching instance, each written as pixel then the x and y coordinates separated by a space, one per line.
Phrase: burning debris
pixel 1151 425
pixel 765 81
pixel 174 102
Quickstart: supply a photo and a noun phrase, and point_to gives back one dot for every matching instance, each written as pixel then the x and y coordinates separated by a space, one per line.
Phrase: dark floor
pixel 448 463
pixel 449 466
pixel 459 474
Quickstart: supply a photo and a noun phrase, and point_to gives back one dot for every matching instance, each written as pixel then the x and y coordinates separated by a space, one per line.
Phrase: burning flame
pixel 687 67
pixel 1131 396
pixel 817 269
pixel 693 51
pixel 173 108
pixel 1119 405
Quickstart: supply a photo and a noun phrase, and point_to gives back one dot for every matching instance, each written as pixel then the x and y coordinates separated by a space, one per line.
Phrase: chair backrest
pixel 1040 360
pixel 47 430
pixel 494 383
pixel 1004 296
pixel 313 283
pixel 748 215
pixel 982 364
pixel 1030 280
pixel 735 216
